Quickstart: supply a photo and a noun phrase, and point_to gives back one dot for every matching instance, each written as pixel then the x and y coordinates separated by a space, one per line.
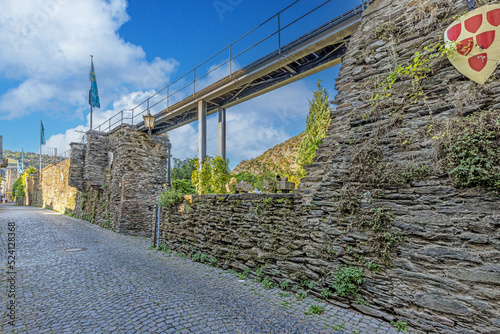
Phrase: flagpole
pixel 91 95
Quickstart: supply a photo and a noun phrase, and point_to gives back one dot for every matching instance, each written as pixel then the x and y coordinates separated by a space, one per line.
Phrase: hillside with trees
pixel 288 158
pixel 31 159
pixel 277 160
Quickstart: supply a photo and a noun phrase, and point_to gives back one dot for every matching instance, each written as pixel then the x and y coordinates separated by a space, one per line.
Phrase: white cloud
pixel 101 118
pixel 46 46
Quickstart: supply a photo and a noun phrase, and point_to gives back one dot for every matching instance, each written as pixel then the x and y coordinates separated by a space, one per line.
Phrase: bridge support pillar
pixel 202 131
pixel 222 132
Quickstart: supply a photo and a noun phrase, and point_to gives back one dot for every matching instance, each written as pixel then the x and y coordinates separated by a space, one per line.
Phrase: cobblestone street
pixel 117 285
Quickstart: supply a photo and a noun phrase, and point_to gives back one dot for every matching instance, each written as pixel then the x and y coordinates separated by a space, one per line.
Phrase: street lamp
pixel 149 121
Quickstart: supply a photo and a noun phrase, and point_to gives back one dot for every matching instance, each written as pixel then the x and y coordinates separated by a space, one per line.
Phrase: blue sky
pixel 138 48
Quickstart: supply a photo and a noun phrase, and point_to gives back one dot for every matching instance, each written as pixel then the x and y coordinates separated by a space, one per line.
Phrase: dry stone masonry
pixel 117 176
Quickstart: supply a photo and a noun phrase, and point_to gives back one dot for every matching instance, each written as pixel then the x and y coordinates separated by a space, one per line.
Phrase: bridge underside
pixel 316 51
pixel 307 65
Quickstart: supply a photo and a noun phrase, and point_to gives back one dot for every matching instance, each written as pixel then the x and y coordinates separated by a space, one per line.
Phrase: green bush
pixel 184 186
pixel 169 198
pixel 212 177
pixel 183 169
pixel 19 186
pixel 348 281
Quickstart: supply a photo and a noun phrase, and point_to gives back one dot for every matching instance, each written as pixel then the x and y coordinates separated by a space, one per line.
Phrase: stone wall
pixel 53 191
pixel 96 158
pixel 378 196
pixel 77 165
pixel 118 175
pixel 386 154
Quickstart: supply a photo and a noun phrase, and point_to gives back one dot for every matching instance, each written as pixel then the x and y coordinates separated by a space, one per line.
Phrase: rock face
pixel 118 174
pixel 377 196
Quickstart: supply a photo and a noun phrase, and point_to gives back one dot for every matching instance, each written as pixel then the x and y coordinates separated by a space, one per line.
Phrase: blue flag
pixel 93 93
pixel 19 168
pixel 42 134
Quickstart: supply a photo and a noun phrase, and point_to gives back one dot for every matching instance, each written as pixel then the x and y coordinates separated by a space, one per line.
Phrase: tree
pixel 19 186
pixel 183 169
pixel 318 121
pixel 212 177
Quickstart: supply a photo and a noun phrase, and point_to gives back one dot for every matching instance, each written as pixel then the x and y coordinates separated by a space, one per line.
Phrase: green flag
pixel 42 134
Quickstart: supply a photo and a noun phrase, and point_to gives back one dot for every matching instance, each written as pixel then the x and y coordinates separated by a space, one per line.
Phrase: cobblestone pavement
pixel 117 285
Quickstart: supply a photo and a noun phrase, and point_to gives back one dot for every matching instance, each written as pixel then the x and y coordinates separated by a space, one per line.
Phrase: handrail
pixel 168 87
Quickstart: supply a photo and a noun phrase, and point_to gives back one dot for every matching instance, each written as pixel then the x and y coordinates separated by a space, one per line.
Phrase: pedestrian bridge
pixel 184 101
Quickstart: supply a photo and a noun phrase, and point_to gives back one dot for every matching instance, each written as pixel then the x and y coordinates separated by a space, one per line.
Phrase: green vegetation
pixel 314 309
pixel 163 247
pixel 32 159
pixel 417 71
pixel 279 160
pixel 284 285
pixel 212 177
pixel 19 186
pixel 306 284
pixel 348 281
pixel 285 303
pixel 362 301
pixel 326 293
pixel 400 325
pixel 205 259
pixel 169 197
pixel 255 180
pixel 375 268
pixel 183 186
pixel 183 169
pixel 283 294
pixel 106 224
pixel 470 150
pixel 267 283
pixel 301 295
pixel 318 121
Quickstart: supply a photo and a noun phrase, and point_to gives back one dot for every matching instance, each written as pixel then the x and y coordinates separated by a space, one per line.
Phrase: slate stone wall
pixel 121 173
pixel 77 165
pixel 96 158
pixel 377 196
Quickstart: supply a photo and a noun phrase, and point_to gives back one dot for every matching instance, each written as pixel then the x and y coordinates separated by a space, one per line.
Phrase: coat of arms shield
pixel 477 38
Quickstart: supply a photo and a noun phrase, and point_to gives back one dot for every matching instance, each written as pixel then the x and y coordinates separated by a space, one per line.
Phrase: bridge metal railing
pixel 176 90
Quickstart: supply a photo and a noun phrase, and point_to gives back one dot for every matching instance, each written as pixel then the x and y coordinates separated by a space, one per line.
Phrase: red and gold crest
pixel 477 38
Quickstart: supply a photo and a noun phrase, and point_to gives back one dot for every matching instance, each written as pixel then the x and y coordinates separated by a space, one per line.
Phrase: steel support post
pixel 222 132
pixel 202 131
